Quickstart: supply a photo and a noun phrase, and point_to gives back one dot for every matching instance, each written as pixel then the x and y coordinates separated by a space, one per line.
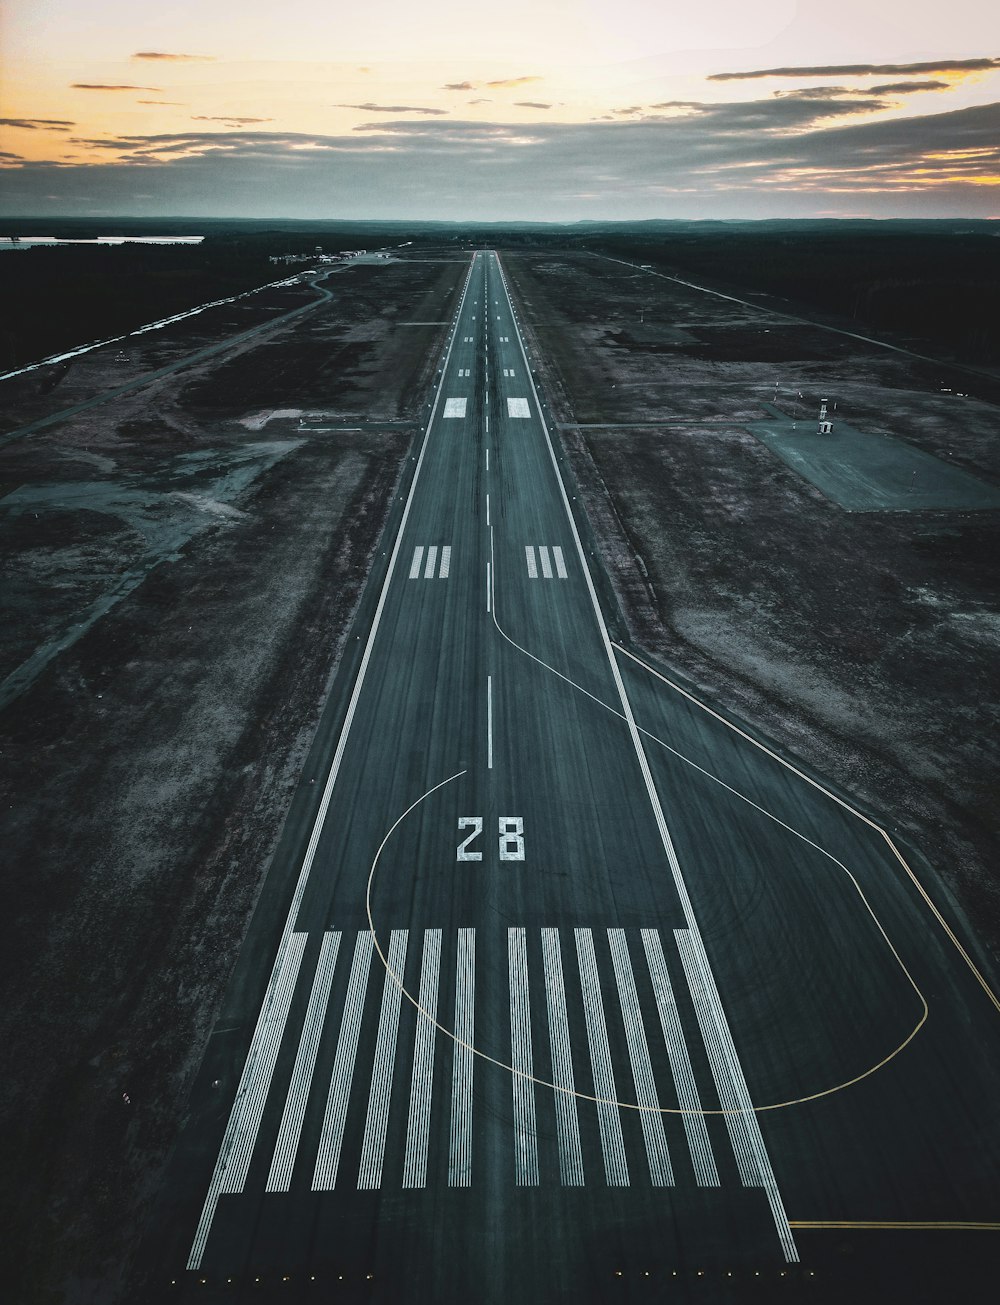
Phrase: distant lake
pixel 26 242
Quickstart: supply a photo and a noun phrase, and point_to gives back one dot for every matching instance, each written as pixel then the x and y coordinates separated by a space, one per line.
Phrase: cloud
pixel 459 86
pixel 907 88
pixel 483 99
pixel 531 104
pixel 514 81
pixel 174 58
pixel 774 157
pixel 962 66
pixel 230 122
pixel 52 124
pixel 393 108
pixel 100 86
pixel 173 104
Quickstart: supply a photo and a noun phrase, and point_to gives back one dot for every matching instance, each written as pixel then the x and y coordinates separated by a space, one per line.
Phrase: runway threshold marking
pixel 522 1079
pixel 788 765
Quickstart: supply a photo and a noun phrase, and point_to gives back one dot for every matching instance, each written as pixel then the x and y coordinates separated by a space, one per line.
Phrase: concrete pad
pixel 864 472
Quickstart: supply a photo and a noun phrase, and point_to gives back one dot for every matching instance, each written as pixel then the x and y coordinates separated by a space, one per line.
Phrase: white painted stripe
pixel 487 459
pixel 734 1096
pixel 660 1170
pixel 518 408
pixel 283 1161
pixel 489 720
pixel 567 1122
pixel 460 1133
pixel 422 1081
pixel 233 1161
pixel 705 1172
pixel 418 554
pixel 489 586
pixel 445 562
pixel 431 562
pixel 781 1224
pixel 543 557
pixel 487 509
pixel 454 407
pixel 557 555
pixel 525 1129
pixel 377 1121
pixel 332 1135
pixel 608 1118
pixel 529 554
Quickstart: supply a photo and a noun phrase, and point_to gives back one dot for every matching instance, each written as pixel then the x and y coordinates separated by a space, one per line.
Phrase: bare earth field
pixel 864 643
pixel 182 566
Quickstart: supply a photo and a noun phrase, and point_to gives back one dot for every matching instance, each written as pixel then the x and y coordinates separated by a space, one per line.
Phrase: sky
pixel 544 110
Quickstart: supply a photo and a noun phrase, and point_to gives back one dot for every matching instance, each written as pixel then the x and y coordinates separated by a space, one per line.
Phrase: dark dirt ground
pixel 864 643
pixel 146 769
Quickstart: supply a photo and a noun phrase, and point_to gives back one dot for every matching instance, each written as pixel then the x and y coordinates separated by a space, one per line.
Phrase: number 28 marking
pixel 510 838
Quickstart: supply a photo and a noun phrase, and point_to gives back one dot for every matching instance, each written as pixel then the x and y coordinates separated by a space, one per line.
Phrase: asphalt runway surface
pixel 562 986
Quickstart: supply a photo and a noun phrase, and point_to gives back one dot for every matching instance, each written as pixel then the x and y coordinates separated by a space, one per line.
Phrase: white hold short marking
pixel 516 408
pixel 454 407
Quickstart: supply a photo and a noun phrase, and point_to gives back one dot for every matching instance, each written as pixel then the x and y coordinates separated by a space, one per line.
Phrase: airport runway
pixel 561 987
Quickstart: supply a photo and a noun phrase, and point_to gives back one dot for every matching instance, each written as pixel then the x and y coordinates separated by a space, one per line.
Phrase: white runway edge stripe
pixel 460 1134
pixel 422 1080
pixel 777 1210
pixel 522 1086
pixel 233 1161
pixel 608 1116
pixel 332 1134
pixel 744 1130
pixel 373 1145
pixel 567 1120
pixel 283 1161
pixel 211 1199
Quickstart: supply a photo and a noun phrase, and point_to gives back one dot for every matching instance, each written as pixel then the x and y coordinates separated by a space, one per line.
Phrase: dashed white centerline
pixel 489 720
